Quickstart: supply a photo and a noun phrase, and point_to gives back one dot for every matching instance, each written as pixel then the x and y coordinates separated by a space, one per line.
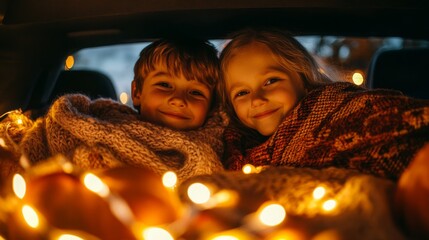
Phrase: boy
pixel 174 82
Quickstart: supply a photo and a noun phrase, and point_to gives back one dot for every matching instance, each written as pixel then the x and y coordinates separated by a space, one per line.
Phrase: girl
pixel 286 112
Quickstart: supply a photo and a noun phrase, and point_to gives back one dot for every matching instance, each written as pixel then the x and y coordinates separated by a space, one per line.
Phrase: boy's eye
pixel 196 93
pixel 163 84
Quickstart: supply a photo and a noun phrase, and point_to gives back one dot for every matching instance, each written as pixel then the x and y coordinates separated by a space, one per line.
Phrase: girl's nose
pixel 258 100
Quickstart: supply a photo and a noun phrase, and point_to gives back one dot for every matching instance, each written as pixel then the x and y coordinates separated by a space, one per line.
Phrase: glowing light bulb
pixel 69 62
pixel 357 78
pixel 19 121
pixel 19 186
pixel 319 193
pixel 225 198
pixel 155 233
pixel 67 167
pixel 169 179
pixel 30 216
pixel 123 97
pixel 329 205
pixel 94 184
pixel 199 193
pixel 2 143
pixel 248 168
pixel 233 234
pixel 272 214
pixel 69 237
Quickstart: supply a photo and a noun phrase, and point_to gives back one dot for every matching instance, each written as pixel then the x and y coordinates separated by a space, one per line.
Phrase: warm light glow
pixel 30 216
pixel 319 193
pixel 329 205
pixel 357 78
pixel 288 234
pixel 67 167
pixel 248 168
pixel 169 179
pixel 225 237
pixel 272 214
pixel 19 121
pixel 19 186
pixel 69 62
pixel 93 183
pixel 123 97
pixel 155 233
pixel 225 198
pixel 69 237
pixel 120 209
pixel 233 234
pixel 2 143
pixel 199 193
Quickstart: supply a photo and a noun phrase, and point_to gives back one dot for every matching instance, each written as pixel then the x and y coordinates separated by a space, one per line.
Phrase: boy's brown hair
pixel 193 58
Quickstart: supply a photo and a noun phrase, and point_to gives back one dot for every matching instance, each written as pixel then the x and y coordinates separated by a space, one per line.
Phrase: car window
pixel 348 57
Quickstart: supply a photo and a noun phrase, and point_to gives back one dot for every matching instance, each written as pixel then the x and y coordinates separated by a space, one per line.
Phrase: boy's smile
pixel 262 91
pixel 172 101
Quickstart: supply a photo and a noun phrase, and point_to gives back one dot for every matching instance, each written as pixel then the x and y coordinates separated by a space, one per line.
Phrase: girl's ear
pixel 135 93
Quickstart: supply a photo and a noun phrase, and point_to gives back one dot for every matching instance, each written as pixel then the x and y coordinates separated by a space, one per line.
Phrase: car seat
pixel 405 70
pixel 91 83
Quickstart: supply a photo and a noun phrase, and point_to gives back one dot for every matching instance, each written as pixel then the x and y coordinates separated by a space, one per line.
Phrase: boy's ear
pixel 135 93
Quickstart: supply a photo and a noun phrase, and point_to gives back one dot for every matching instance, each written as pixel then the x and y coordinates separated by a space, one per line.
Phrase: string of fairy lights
pixel 267 222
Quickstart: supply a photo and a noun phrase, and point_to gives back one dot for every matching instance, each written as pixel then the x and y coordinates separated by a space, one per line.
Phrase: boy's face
pixel 172 101
pixel 261 92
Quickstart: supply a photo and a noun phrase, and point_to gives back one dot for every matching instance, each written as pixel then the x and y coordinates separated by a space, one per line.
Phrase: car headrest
pixel 405 70
pixel 91 83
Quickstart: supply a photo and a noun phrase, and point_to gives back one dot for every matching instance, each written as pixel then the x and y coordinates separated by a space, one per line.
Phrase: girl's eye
pixel 271 81
pixel 241 93
pixel 163 84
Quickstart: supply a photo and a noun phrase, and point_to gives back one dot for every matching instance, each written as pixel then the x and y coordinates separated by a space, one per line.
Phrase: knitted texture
pixel 103 134
pixel 363 209
pixel 341 125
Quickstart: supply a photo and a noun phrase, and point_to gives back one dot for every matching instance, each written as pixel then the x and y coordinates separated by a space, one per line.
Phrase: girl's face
pixel 172 101
pixel 261 91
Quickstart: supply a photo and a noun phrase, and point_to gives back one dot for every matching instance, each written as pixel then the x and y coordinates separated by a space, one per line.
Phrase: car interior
pixel 50 48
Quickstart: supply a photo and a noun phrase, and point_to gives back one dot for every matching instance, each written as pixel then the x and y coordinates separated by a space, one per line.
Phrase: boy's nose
pixel 177 101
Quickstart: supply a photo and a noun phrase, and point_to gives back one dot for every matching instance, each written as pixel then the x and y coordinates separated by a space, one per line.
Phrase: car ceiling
pixel 154 18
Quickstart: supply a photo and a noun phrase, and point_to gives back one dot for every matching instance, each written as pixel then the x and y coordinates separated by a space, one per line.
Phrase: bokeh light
pixel 94 184
pixel 123 97
pixel 272 214
pixel 155 233
pixel 199 193
pixel 319 192
pixel 30 216
pixel 169 179
pixel 69 62
pixel 329 205
pixel 19 186
pixel 357 78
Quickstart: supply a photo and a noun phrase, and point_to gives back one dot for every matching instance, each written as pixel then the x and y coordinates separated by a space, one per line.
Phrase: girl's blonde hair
pixel 290 54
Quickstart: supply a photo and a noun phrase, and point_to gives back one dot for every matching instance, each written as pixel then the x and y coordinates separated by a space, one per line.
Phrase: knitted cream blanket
pixel 362 211
pixel 341 125
pixel 103 134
